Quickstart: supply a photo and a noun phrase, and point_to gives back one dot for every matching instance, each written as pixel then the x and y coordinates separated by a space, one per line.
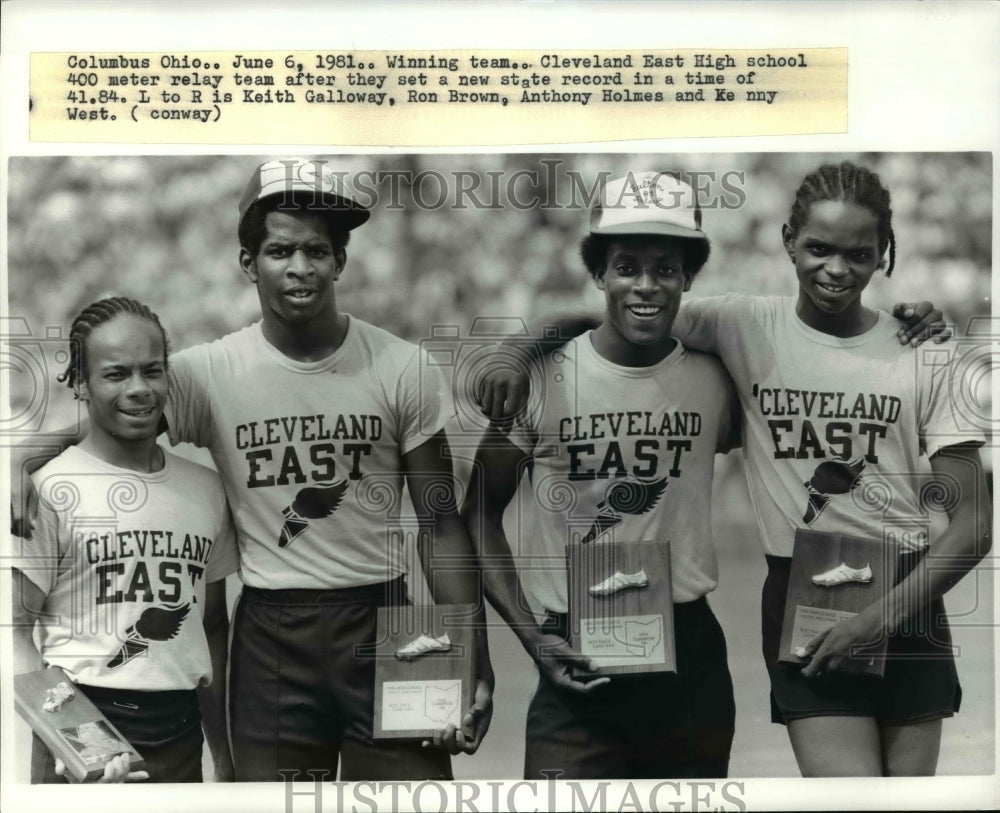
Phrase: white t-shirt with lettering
pixel 310 452
pixel 837 431
pixel 123 558
pixel 626 454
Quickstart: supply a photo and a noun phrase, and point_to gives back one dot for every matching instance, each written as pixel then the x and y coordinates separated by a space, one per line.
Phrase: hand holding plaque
pixel 621 606
pixel 834 578
pixel 424 670
pixel 73 729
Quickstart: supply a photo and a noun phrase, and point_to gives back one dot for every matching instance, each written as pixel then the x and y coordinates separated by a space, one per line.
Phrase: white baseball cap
pixel 309 177
pixel 648 203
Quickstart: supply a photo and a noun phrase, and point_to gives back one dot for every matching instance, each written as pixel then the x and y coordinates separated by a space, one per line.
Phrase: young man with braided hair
pixel 314 420
pixel 132 607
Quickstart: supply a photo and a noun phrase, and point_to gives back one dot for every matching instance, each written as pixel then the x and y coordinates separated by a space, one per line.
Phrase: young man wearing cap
pixel 314 419
pixel 318 416
pixel 611 415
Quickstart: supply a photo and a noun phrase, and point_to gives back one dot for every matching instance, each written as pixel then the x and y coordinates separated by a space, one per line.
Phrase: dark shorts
pixel 641 726
pixel 920 681
pixel 164 727
pixel 301 683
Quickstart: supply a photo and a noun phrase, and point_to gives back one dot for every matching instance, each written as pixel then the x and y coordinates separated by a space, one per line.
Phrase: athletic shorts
pixel 164 727
pixel 301 689
pixel 640 726
pixel 920 681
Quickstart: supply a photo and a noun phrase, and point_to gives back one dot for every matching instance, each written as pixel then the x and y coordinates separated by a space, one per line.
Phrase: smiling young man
pixel 314 420
pixel 123 584
pixel 643 411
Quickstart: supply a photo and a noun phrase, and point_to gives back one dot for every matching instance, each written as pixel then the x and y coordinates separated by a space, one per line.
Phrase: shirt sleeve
pixel 697 325
pixel 189 410
pixel 423 402
pixel 951 407
pixel 225 558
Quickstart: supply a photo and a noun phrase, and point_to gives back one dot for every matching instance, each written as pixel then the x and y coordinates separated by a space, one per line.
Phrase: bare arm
pixel 962 546
pixel 28 601
pixel 28 457
pixel 25 459
pixel 495 476
pixel 503 392
pixel 212 698
pixel 957 551
pixel 452 572
pixel 698 325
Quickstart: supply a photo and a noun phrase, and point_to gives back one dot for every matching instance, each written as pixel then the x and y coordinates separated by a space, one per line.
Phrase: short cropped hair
pixel 594 251
pixel 252 228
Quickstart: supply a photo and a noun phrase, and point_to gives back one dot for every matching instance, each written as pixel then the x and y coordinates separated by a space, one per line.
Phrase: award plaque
pixel 621 610
pixel 834 577
pixel 425 669
pixel 70 724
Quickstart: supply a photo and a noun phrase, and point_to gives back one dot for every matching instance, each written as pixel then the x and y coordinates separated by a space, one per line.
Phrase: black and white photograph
pixel 92 741
pixel 452 255
pixel 255 396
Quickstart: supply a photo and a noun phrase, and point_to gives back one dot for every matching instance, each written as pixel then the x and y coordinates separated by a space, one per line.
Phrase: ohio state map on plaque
pixel 412 704
pixel 635 640
pixel 621 605
pixel 424 669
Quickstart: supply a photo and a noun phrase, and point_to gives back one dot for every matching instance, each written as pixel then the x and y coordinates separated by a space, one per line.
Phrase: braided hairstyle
pixel 92 317
pixel 849 183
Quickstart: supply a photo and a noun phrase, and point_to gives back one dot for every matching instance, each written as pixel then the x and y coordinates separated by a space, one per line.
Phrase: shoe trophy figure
pixel 57 695
pixel 620 581
pixel 843 574
pixel 422 645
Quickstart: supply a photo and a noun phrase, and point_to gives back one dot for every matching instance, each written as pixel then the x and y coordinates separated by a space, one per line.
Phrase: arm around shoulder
pixel 28 457
pixel 502 391
pixel 702 320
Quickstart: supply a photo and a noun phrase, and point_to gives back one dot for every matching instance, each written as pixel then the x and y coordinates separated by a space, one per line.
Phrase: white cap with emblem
pixel 648 203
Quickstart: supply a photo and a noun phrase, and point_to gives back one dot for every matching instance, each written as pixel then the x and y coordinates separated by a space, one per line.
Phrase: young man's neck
pixel 136 455
pixel 613 347
pixel 308 341
pixel 851 322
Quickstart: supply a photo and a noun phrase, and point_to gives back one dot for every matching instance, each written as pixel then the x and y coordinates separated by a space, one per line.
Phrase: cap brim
pixel 348 213
pixel 651 228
